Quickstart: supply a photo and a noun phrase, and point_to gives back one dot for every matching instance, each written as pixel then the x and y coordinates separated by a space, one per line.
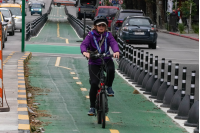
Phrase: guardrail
pixel 32 28
pixel 162 92
pixel 77 24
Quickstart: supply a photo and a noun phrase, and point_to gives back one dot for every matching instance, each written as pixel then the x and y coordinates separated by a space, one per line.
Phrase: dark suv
pixel 120 16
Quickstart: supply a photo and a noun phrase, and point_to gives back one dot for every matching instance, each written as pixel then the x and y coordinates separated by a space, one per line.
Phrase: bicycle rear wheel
pixel 103 116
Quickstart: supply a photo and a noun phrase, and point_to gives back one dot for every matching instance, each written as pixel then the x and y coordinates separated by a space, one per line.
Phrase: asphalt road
pixel 177 49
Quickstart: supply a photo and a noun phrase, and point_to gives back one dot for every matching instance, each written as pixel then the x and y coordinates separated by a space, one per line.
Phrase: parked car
pixel 16 10
pixel 4 31
pixel 119 17
pixel 11 22
pixel 138 30
pixel 36 9
pixel 108 11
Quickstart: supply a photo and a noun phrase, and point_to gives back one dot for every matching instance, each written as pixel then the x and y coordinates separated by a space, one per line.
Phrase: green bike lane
pixel 61 80
pixel 56 31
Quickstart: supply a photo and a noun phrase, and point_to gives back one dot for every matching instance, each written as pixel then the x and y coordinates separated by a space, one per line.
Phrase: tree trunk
pixel 149 12
pixel 159 14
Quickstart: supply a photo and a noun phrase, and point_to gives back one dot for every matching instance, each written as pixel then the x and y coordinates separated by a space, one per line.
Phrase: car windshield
pixel 15 11
pixel 126 14
pixel 139 21
pixel 107 12
pixel 88 2
pixel 5 13
pixel 36 6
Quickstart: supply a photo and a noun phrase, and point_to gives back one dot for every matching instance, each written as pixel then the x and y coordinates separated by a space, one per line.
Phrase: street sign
pixel 110 1
pixel 115 2
pixel 120 1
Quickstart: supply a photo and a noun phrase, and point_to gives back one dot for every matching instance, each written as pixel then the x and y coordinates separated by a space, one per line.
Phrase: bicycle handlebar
pixel 94 56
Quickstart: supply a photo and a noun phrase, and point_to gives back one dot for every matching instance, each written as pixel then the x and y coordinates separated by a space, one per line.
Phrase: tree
pixel 185 8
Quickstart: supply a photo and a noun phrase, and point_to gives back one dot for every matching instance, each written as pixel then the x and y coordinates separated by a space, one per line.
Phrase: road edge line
pixel 179 122
pixel 23 115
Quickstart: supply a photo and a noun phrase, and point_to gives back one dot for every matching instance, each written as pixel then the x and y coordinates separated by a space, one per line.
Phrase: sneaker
pixel 110 91
pixel 91 112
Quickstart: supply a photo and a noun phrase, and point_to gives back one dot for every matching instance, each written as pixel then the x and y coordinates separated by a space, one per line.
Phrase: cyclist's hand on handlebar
pixel 87 55
pixel 116 55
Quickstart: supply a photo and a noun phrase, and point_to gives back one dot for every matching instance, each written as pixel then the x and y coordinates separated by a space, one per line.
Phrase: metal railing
pixel 77 24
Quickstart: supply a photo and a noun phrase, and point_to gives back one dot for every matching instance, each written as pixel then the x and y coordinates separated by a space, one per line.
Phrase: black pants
pixel 94 71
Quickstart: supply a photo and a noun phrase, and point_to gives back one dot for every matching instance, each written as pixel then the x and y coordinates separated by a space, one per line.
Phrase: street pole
pixel 23 25
pixel 84 27
pixel 190 16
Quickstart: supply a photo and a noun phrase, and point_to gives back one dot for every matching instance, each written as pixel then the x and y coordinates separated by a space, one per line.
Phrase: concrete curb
pixel 23 117
pixel 172 33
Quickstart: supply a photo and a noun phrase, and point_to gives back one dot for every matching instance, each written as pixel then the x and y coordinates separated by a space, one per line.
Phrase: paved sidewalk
pixel 9 121
pixel 192 36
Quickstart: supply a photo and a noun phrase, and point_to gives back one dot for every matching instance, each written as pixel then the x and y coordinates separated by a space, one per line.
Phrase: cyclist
pixel 99 40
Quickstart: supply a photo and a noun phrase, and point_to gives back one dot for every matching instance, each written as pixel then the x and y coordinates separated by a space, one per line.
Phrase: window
pixel 140 21
pixel 107 12
pixel 15 11
pixel 5 13
pixel 126 14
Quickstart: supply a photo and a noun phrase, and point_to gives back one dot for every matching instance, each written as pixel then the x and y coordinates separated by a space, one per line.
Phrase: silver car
pixel 10 18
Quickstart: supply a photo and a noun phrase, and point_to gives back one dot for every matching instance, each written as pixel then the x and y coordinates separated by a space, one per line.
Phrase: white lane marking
pixel 180 122
pixel 61 96
pixel 76 32
pixel 39 31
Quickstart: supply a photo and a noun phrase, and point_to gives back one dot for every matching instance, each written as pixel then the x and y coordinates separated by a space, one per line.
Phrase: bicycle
pixel 101 97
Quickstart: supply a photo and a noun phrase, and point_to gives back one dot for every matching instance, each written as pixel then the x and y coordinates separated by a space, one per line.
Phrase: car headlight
pixel 125 28
pixel 31 9
pixel 40 9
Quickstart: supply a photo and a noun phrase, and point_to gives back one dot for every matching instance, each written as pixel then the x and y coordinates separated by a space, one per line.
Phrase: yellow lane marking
pixel 107 119
pixel 87 97
pixel 75 77
pixel 22 109
pixel 21 90
pixel 58 61
pixel 22 96
pixel 79 83
pixel 65 67
pixel 67 41
pixel 23 117
pixel 20 67
pixel 21 81
pixel 83 89
pixel 20 74
pixel 20 77
pixel 20 70
pixel 26 54
pixel 20 60
pixel 114 131
pixel 22 101
pixel 21 86
pixel 58 34
pixel 24 126
pixel 72 72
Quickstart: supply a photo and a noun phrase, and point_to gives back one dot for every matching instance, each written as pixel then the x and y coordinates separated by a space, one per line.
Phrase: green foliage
pixel 185 8
pixel 195 28
pixel 107 3
pixel 181 27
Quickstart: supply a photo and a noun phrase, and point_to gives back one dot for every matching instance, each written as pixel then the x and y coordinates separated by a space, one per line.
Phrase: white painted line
pixel 180 122
pixel 39 31
pixel 76 32
pixel 58 61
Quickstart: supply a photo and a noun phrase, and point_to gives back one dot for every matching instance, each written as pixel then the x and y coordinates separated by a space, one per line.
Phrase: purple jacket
pixel 90 44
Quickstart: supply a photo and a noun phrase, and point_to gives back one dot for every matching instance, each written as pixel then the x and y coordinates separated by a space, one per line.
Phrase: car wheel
pixel 3 45
pixel 153 45
pixel 80 18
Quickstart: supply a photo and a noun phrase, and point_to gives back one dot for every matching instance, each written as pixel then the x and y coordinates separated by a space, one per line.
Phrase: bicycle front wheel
pixel 103 116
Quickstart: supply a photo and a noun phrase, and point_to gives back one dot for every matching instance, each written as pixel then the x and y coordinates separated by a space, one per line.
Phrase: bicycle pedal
pixel 91 115
pixel 110 95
